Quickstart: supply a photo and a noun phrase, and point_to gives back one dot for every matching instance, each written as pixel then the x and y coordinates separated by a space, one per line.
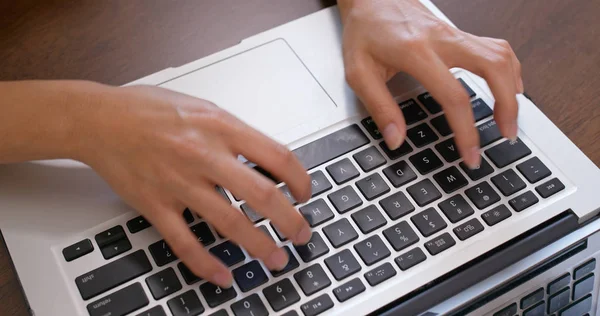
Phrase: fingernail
pixel 304 234
pixel 473 158
pixel 223 279
pixel 392 136
pixel 512 130
pixel 278 259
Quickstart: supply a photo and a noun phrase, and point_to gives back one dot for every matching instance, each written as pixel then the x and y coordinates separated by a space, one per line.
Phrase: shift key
pixel 112 274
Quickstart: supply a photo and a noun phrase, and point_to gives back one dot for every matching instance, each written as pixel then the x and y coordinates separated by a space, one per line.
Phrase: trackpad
pixel 268 87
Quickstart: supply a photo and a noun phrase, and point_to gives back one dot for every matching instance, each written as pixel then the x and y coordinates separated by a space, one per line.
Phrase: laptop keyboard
pixel 374 212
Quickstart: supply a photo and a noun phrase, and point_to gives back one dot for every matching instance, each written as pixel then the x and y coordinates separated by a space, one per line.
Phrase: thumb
pixel 371 89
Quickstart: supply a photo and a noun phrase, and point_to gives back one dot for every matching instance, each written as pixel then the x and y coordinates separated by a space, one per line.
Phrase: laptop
pixel 418 227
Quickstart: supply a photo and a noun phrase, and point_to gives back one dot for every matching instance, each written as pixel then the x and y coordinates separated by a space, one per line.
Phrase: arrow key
pixel 349 290
pixel 116 248
pixel 77 250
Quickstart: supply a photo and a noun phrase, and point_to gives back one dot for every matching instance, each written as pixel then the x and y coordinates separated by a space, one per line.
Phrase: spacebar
pixel 112 274
pixel 331 146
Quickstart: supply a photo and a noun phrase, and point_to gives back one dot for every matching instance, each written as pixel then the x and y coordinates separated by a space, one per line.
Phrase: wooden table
pixel 116 41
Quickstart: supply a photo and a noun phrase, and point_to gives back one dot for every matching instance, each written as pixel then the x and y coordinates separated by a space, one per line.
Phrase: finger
pixel 275 158
pixel 261 194
pixel 370 87
pixel 516 64
pixel 441 84
pixel 185 246
pixel 493 62
pixel 232 224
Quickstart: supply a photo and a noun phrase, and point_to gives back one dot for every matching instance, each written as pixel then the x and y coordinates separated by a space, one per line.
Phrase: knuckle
pixel 231 221
pixel 265 193
pixel 499 60
pixel 353 73
pixel 284 156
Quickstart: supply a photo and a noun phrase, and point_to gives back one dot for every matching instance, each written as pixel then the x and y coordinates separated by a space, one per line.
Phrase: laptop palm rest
pixel 267 86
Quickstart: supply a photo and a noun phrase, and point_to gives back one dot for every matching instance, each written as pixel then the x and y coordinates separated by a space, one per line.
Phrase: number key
pixel 342 264
pixel 372 250
pixel 429 222
pixel 249 306
pixel 400 236
pixel 281 294
pixel 312 279
pixel 456 208
pixel 482 195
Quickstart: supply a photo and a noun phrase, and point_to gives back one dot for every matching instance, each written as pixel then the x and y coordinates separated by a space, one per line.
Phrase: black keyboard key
pixel 372 250
pixel 380 274
pixel 342 171
pixel 396 205
pixel 340 232
pixel 203 234
pixel 312 279
pixel 154 311
pixel 163 283
pixel 448 150
pixel 249 306
pixel 422 135
pixel 215 295
pixel 187 215
pixel 429 222
pixel 319 183
pixel 113 274
pixel 507 152
pixel 186 304
pixel 496 215
pixel 291 313
pixel 399 174
pixel 470 91
pixel 410 258
pixel 559 283
pixel 480 110
pixel 372 128
pixel 482 195
pixel 581 307
pixel 116 248
pixel 317 306
pixel 138 224
pixel 110 236
pixel 558 300
pixel 369 159
pixel 313 249
pixel 77 250
pixel 456 208
pixel 468 229
pixel 281 294
pixel 188 276
pixel 401 151
pixel 483 170
pixel 288 194
pixel 162 253
pixel 228 252
pixel 291 265
pixel 488 133
pixel 345 199
pixel 550 188
pixel 507 311
pixel 278 233
pixel 532 299
pixel 412 112
pixel 508 182
pixel 523 201
pixel 342 264
pixel 424 192
pixel 584 269
pixel 430 103
pixel 534 169
pixel 372 186
pixel 537 310
pixel 249 276
pixel 400 236
pixel 441 125
pixel 426 161
pixel 252 215
pixel 583 287
pixel 316 212
pixel 349 290
pixel 450 179
pixel 439 244
pixel 265 230
pixel 331 146
pixel 121 302
pixel 368 219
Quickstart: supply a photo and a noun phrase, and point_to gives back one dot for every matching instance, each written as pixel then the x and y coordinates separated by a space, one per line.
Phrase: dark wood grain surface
pixel 115 42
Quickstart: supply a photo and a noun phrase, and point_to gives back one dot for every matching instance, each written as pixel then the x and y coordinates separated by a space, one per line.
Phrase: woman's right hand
pixel 162 151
